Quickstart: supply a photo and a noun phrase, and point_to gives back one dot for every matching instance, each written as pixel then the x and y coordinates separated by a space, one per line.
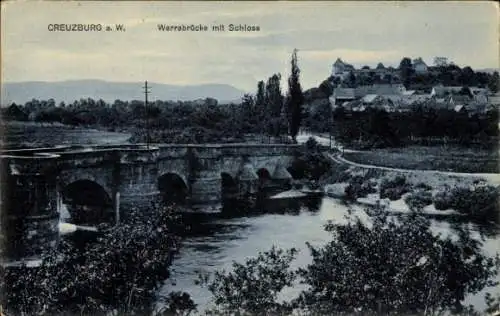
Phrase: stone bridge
pixel 35 183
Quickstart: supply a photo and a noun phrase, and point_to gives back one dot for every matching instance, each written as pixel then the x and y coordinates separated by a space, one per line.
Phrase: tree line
pixel 422 125
pixel 269 111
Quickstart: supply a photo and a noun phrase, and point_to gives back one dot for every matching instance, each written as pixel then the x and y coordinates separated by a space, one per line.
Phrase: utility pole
pixel 330 123
pixel 147 90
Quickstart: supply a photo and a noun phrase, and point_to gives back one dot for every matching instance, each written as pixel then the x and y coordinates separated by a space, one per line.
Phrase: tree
pixel 295 98
pixel 310 163
pixel 467 77
pixel 246 116
pixel 14 112
pixel 394 268
pixel 274 97
pixel 387 267
pixel 380 126
pixel 351 80
pixel 252 288
pixel 406 70
pixel 274 102
pixel 260 99
pixel 326 87
pixel 465 91
pixel 494 83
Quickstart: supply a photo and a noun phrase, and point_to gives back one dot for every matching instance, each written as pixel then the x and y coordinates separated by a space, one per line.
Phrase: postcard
pixel 249 158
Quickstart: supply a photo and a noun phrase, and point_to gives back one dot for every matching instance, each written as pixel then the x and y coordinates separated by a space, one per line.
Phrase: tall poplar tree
pixel 274 100
pixel 295 98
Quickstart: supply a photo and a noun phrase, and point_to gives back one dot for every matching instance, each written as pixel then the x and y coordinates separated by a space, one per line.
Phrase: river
pixel 214 243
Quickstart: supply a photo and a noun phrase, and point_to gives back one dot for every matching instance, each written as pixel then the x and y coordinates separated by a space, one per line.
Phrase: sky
pixel 361 33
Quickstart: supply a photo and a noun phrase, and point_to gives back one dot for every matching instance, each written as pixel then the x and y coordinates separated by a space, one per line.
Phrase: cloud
pixel 359 32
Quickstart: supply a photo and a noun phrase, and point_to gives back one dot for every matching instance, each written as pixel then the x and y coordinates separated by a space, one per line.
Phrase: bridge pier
pixel 281 176
pixel 206 190
pixel 205 180
pixel 29 217
pixel 248 180
pixel 135 180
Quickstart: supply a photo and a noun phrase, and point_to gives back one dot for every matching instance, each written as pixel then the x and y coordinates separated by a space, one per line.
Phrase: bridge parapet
pixel 40 163
pixel 139 155
pixel 167 151
pixel 259 150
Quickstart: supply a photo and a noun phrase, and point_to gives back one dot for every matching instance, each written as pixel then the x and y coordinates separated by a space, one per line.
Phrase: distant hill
pixel 71 90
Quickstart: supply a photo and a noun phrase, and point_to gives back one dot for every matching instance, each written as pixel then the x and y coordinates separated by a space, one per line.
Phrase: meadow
pixel 442 158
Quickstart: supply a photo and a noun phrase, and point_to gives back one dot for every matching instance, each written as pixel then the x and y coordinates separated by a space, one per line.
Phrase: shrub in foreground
pixel 391 267
pixel 119 272
pixel 252 288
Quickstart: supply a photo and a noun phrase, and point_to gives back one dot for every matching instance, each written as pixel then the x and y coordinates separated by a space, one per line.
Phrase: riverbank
pixel 429 192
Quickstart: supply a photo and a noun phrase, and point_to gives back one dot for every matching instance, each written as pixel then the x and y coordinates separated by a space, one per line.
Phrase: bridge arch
pixel 87 203
pixel 173 187
pixel 65 178
pixel 264 173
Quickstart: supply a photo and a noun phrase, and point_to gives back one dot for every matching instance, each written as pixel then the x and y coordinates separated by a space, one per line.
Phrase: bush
pixel 443 199
pixel 336 174
pixel 394 188
pixel 310 163
pixel 419 199
pixel 121 271
pixel 358 187
pixel 423 186
pixel 480 201
pixel 391 268
pixel 252 288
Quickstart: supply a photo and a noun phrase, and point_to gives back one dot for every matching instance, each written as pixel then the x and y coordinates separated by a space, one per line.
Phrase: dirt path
pixel 493 178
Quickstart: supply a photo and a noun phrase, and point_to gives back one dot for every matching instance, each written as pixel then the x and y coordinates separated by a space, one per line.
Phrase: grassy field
pixel 29 134
pixel 456 159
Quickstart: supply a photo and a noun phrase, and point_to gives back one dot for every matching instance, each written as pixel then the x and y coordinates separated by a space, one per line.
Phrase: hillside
pixel 68 91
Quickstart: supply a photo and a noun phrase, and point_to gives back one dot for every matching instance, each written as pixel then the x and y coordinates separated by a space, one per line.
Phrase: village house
pixel 393 96
pixel 458 100
pixel 460 109
pixel 441 91
pixel 453 96
pixel 341 95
